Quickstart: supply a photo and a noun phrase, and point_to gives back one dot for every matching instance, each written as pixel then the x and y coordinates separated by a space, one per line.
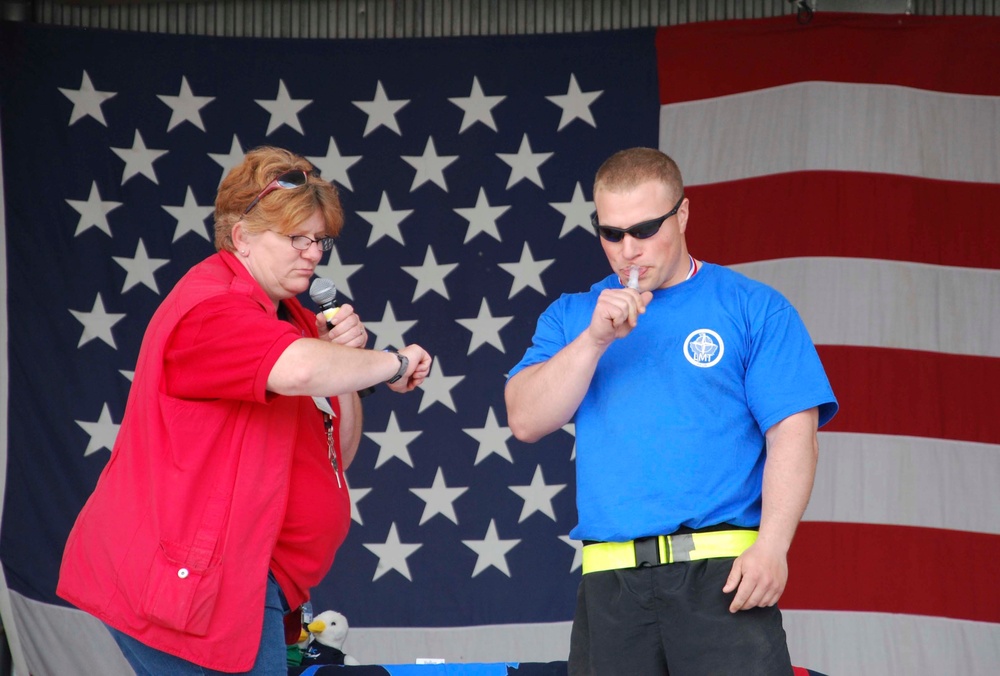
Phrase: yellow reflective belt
pixel 672 548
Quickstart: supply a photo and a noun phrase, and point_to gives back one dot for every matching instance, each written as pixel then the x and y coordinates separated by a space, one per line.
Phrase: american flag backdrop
pixel 853 163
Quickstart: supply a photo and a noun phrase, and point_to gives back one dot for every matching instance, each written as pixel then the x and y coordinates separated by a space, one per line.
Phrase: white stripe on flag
pixel 906 481
pixel 835 126
pixel 541 642
pixel 882 644
pixel 882 303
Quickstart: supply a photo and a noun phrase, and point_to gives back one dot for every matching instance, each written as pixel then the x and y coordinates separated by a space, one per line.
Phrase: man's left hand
pixel 758 576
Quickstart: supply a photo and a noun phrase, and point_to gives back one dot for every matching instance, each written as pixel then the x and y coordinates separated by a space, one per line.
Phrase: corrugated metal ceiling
pixel 432 18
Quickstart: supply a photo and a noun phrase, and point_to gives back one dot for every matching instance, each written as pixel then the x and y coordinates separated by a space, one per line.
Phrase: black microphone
pixel 324 293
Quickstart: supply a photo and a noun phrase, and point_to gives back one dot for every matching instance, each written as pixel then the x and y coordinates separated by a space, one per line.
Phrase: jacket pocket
pixel 179 595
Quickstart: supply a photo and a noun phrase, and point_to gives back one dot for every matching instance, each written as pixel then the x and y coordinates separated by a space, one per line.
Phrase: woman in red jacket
pixel 201 533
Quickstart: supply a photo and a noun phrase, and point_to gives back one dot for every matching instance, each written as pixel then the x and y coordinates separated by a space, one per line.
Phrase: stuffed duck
pixel 328 630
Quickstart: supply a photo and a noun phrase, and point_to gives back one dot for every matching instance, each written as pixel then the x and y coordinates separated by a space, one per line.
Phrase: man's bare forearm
pixel 544 397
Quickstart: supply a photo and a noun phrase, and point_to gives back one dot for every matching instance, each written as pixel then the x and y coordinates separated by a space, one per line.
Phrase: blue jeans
pixel 271 655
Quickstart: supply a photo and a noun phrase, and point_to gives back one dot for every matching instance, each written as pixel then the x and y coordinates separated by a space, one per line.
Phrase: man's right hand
pixel 616 314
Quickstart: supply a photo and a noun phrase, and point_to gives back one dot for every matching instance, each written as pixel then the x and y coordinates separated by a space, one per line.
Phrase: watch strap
pixel 404 363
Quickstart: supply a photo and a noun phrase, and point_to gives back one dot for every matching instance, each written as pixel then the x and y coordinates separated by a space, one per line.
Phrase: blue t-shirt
pixel 671 430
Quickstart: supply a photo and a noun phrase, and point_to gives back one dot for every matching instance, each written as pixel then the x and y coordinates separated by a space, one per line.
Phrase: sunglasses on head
pixel 639 230
pixel 296 178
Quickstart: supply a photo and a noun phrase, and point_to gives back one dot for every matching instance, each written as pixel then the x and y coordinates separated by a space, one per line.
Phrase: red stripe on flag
pixel 937 53
pixel 913 393
pixel 845 214
pixel 829 213
pixel 893 569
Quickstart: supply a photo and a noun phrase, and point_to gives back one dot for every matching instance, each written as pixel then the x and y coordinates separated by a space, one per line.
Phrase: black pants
pixel 672 620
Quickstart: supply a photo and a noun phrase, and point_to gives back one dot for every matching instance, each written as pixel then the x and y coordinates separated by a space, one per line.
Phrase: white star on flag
pixel 284 110
pixel 333 166
pixel 492 551
pixel 437 387
pixel 381 110
pixel 430 166
pixel 389 331
pixel 393 442
pixel 485 328
pixel 438 499
pixel 140 268
pixel 86 101
pixel 526 272
pixel 430 275
pixel 190 217
pixel 575 104
pixel 537 496
pixel 477 107
pixel 93 212
pixel 102 433
pixel 97 323
pixel 482 217
pixel 392 555
pixel 524 164
pixel 576 213
pixel 139 159
pixel 385 222
pixel 492 439
pixel 185 107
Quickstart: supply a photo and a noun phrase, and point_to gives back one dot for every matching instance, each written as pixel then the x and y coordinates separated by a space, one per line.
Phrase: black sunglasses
pixel 295 178
pixel 639 230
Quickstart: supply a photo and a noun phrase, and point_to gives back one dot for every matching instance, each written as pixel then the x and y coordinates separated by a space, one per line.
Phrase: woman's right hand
pixel 347 328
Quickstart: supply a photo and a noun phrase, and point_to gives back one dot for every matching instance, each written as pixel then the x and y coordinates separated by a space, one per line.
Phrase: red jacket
pixel 173 546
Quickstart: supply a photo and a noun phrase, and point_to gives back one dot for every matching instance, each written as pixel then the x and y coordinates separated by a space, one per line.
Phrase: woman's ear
pixel 240 239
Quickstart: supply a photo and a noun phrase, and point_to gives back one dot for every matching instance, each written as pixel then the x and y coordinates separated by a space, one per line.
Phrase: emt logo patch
pixel 704 348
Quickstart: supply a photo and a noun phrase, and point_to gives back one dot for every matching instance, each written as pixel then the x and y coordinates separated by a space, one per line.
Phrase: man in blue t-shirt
pixel 697 394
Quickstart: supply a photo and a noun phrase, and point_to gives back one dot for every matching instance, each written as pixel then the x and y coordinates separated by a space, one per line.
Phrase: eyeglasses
pixel 639 230
pixel 301 242
pixel 295 178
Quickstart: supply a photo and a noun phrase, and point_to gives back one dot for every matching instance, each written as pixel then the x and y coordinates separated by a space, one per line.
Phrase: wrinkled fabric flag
pixel 851 163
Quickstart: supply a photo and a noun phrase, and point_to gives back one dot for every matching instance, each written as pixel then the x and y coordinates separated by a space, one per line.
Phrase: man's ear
pixel 682 215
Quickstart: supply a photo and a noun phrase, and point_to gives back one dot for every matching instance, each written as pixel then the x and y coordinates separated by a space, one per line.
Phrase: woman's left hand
pixel 347 328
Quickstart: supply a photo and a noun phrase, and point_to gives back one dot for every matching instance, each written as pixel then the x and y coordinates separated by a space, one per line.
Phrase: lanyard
pixel 323 404
pixel 331 451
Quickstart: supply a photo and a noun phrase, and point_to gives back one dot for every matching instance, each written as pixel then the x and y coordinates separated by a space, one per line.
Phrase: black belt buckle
pixel 647 551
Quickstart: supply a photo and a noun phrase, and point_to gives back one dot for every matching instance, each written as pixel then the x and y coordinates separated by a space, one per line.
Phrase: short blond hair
pixel 282 210
pixel 628 168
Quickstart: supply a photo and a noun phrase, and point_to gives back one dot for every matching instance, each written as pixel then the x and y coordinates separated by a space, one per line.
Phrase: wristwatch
pixel 404 363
